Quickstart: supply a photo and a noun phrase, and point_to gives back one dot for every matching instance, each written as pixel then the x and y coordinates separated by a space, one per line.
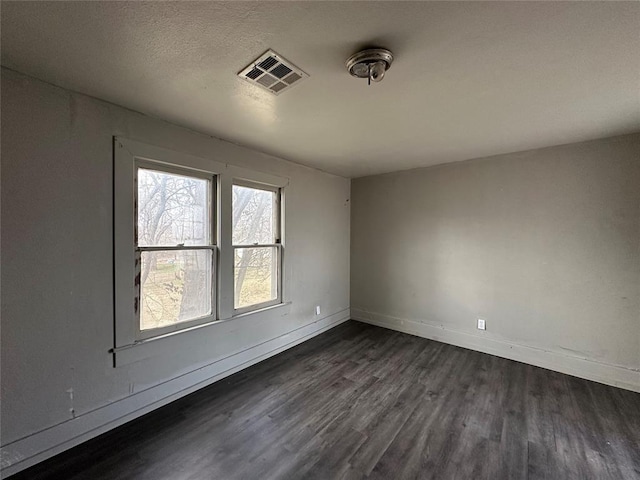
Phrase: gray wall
pixel 544 245
pixel 57 281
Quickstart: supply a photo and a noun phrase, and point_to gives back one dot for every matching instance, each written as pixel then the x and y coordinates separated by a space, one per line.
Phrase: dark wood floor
pixel 365 402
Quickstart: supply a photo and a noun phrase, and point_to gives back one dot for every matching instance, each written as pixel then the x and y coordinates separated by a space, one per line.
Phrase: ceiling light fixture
pixel 371 64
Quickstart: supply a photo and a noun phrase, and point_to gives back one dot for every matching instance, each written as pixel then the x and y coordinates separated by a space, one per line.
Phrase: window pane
pixel 253 216
pixel 172 209
pixel 176 287
pixel 255 275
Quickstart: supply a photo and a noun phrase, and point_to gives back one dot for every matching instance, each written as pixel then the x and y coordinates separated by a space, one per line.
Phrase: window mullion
pixel 225 260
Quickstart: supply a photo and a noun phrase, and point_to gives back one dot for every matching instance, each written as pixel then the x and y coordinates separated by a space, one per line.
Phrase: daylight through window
pixel 257 246
pixel 196 242
pixel 175 247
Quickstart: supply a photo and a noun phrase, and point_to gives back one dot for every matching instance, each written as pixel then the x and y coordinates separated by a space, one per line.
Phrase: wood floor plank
pixel 361 402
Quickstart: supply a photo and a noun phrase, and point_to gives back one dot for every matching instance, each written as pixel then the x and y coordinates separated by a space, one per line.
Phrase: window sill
pixel 148 347
pixel 241 312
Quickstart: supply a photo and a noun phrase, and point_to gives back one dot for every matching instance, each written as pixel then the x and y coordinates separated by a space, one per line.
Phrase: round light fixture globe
pixel 371 64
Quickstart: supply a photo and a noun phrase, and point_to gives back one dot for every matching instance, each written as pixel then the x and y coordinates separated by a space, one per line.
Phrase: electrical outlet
pixel 317 309
pixel 481 324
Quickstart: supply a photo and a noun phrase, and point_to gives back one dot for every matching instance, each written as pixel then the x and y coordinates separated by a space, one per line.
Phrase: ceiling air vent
pixel 272 72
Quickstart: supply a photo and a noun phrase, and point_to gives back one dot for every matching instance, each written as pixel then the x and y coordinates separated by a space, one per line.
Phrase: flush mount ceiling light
pixel 371 64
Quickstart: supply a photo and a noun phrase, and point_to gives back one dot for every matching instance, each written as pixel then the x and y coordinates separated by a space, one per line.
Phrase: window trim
pixel 125 154
pixel 129 156
pixel 278 245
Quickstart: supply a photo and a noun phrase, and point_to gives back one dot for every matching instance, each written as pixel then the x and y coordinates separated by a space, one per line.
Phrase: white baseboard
pixel 28 451
pixel 608 374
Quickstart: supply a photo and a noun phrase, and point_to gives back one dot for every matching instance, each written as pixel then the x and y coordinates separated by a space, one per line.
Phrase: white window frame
pixel 128 154
pixel 128 157
pixel 277 245
pixel 212 247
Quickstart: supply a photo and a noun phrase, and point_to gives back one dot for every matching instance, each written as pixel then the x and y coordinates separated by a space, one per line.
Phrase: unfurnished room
pixel 328 240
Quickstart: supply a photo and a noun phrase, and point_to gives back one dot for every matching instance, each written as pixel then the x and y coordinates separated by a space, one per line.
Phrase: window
pixel 175 248
pixel 257 246
pixel 193 245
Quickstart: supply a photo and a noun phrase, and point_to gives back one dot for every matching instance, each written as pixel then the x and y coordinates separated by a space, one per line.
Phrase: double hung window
pixel 175 248
pixel 195 241
pixel 257 246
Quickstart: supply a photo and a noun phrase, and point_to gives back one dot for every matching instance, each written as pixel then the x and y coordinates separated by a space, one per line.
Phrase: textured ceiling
pixel 470 78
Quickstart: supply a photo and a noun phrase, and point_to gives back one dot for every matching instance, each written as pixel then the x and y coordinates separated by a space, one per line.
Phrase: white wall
pixel 57 264
pixel 544 245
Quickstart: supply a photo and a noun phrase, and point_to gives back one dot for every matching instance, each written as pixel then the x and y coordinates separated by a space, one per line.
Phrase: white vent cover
pixel 273 73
